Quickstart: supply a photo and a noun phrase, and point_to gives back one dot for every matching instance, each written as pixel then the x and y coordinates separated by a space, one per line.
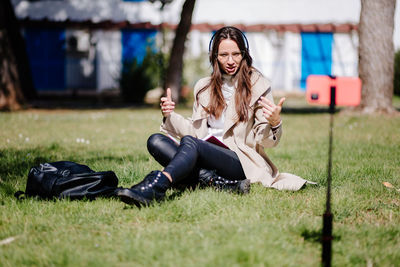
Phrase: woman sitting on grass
pixel 235 106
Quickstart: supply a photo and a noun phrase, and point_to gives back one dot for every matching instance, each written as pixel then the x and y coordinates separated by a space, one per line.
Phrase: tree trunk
pixel 175 66
pixel 11 96
pixel 14 64
pixel 376 55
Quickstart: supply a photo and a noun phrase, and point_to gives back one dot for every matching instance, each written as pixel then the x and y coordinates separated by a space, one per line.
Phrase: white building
pixel 78 44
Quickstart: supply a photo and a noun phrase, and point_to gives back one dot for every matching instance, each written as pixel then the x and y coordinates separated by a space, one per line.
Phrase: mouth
pixel 230 70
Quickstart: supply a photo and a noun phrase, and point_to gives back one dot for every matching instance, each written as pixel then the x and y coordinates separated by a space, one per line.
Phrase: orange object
pixel 348 90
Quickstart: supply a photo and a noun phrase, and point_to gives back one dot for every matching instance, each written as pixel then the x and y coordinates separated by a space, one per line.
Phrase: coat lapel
pixel 258 90
pixel 230 115
pixel 204 100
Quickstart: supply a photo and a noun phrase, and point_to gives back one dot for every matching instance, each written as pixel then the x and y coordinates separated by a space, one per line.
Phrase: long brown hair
pixel 243 90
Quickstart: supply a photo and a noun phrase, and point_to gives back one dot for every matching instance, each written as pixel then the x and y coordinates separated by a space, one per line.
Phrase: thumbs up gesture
pixel 167 105
pixel 272 112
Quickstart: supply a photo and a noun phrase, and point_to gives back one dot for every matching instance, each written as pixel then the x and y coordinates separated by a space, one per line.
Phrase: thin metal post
pixel 328 216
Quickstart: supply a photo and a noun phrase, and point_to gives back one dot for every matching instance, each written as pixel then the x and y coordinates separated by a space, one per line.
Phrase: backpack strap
pixel 19 195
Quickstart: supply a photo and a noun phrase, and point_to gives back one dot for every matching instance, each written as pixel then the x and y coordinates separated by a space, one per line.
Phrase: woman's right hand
pixel 167 105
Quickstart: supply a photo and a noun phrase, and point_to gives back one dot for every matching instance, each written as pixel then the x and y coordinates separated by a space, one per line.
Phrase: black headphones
pixel 244 37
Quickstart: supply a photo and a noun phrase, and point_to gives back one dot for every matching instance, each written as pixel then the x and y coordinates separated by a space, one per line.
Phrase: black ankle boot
pixel 152 188
pixel 210 178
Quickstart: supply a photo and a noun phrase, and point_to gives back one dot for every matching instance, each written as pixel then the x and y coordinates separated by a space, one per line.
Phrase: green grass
pixel 202 227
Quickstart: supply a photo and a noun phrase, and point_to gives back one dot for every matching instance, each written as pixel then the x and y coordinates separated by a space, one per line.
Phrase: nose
pixel 230 59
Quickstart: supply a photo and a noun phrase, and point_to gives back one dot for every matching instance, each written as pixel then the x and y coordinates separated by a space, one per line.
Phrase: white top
pixel 216 126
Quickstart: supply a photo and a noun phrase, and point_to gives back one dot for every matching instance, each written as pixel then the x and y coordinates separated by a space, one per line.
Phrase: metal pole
pixel 328 216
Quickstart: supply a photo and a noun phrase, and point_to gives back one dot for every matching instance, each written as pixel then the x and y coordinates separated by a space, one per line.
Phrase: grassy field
pixel 201 227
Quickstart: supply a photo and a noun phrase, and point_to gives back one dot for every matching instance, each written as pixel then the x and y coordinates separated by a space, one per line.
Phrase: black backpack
pixel 66 179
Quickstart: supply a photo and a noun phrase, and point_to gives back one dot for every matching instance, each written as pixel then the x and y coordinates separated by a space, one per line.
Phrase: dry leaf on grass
pixel 387 184
pixel 7 240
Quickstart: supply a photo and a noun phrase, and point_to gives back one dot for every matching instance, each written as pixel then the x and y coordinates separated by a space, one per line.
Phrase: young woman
pixel 235 106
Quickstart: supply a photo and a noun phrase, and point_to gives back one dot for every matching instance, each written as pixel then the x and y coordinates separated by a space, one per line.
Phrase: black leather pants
pixel 184 161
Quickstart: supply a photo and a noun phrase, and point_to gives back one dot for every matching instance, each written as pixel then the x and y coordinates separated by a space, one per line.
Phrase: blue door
pixel 316 55
pixel 135 44
pixel 46 52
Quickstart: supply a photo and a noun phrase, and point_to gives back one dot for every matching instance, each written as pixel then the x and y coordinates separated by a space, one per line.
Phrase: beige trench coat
pixel 247 139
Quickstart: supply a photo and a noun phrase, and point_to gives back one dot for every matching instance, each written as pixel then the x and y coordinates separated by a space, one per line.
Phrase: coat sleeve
pixel 178 126
pixel 263 134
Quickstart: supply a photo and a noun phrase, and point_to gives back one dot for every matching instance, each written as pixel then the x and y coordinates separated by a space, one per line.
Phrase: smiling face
pixel 229 56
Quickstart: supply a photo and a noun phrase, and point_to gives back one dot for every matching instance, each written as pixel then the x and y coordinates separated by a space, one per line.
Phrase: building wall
pixel 109 58
pixel 278 54
pixel 92 60
pixel 67 60
pixel 345 54
pixel 81 71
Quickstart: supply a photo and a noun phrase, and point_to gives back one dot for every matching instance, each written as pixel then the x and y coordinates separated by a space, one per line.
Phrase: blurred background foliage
pixel 137 78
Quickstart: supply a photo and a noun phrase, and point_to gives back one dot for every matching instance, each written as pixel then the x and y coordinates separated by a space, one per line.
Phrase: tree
pixel 376 55
pixel 14 64
pixel 175 66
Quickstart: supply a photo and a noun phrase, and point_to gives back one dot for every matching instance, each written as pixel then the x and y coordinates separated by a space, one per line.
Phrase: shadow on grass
pixel 312 236
pixel 7 189
pixel 306 110
pixel 97 106
pixel 16 163
pixel 174 195
pixel 81 102
pixel 111 100
pixel 315 236
pixel 315 110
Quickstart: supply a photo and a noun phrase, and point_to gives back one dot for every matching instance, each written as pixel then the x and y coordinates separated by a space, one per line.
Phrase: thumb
pixel 169 96
pixel 281 101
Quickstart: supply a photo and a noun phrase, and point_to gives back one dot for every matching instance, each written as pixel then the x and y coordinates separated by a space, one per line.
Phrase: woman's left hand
pixel 271 112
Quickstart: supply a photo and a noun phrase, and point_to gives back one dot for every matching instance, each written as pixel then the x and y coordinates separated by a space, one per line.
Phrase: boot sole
pixel 244 187
pixel 130 198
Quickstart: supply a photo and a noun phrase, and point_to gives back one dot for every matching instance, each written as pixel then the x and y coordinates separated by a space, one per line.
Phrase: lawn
pixel 201 227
